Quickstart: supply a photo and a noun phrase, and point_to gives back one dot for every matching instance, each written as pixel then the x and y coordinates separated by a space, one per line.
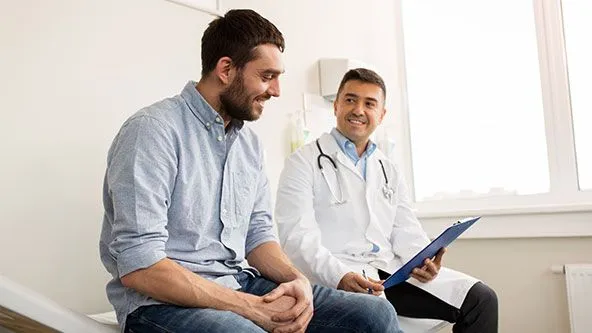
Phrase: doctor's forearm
pixel 273 263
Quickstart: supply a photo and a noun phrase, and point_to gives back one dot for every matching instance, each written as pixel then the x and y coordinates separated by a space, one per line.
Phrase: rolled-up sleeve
pixel 140 177
pixel 261 226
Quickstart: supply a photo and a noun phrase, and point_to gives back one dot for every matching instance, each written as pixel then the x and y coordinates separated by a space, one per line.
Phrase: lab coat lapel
pixel 373 177
pixel 373 190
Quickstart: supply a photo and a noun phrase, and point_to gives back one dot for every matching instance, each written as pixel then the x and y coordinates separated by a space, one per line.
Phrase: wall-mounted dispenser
pixel 331 71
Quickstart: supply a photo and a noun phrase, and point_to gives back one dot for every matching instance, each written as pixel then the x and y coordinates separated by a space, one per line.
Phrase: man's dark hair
pixel 364 75
pixel 235 35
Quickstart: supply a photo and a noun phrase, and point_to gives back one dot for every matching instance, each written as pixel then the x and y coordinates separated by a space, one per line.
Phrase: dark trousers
pixel 477 314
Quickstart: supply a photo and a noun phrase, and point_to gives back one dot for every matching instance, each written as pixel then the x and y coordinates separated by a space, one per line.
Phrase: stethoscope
pixel 387 191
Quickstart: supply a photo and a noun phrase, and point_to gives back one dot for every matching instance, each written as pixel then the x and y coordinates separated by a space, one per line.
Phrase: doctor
pixel 343 213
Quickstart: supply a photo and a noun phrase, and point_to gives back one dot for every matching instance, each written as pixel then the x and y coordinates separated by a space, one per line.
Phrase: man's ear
pixel 335 106
pixel 382 115
pixel 224 70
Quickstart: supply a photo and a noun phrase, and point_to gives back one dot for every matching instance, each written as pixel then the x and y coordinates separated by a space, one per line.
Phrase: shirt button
pixel 218 120
pixel 219 138
pixel 208 125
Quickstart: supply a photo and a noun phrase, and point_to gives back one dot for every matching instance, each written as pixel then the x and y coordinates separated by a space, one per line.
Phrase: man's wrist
pixel 244 304
pixel 294 275
pixel 300 276
pixel 304 279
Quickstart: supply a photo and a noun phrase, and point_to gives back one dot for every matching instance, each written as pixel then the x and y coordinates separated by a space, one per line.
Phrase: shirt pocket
pixel 245 184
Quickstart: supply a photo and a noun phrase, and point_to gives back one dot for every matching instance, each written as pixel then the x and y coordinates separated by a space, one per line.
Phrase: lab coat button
pixel 219 138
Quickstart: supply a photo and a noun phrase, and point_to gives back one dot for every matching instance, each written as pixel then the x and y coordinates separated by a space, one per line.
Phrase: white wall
pixel 532 298
pixel 72 71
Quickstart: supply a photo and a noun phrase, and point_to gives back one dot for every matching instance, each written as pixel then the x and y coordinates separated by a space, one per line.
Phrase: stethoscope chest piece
pixel 388 192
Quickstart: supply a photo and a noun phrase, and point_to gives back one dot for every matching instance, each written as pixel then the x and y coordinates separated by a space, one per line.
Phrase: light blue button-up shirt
pixel 179 186
pixel 349 149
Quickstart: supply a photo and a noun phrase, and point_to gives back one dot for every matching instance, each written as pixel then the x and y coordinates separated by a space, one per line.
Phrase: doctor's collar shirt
pixel 179 186
pixel 349 149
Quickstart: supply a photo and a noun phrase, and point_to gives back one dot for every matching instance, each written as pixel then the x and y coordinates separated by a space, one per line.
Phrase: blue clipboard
pixel 443 240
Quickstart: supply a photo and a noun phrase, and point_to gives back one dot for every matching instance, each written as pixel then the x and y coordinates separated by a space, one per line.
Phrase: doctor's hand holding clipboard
pixel 421 266
pixel 360 283
pixel 430 268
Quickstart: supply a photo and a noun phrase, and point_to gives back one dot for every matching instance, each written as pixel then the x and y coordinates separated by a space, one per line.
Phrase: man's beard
pixel 236 102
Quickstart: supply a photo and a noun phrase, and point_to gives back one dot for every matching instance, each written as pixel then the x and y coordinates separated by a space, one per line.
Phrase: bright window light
pixel 474 97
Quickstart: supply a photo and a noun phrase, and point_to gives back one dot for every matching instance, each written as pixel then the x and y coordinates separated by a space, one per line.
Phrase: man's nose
pixel 358 108
pixel 274 88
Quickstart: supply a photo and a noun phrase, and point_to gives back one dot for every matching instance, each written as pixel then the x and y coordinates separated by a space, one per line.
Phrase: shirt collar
pixel 202 110
pixel 349 148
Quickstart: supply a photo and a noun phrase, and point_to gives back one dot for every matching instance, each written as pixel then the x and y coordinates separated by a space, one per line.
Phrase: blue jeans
pixel 334 311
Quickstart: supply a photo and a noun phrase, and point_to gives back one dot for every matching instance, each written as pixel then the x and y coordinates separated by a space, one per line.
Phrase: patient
pixel 343 210
pixel 187 201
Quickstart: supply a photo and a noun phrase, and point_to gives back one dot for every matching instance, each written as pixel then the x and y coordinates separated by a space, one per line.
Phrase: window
pixel 577 27
pixel 494 121
pixel 475 103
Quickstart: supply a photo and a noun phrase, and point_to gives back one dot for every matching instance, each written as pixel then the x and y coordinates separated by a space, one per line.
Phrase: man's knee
pixel 379 315
pixel 479 310
pixel 486 296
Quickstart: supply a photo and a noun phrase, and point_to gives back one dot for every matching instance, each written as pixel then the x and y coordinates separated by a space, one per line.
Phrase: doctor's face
pixel 359 109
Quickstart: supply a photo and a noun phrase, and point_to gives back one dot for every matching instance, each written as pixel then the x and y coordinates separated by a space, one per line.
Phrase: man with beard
pixel 187 202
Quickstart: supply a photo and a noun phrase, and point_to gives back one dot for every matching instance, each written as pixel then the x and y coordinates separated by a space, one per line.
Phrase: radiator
pixel 578 279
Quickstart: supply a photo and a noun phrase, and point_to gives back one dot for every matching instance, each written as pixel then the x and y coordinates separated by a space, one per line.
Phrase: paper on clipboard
pixel 443 240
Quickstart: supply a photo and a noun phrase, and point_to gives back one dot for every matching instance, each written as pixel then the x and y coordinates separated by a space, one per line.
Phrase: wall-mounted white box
pixel 331 71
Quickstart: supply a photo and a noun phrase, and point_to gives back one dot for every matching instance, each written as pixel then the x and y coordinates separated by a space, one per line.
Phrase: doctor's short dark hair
pixel 235 35
pixel 364 75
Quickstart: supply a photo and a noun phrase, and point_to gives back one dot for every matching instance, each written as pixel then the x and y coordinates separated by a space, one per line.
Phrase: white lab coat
pixel 326 239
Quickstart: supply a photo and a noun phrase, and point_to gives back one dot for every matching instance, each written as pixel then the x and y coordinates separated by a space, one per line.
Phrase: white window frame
pixel 564 198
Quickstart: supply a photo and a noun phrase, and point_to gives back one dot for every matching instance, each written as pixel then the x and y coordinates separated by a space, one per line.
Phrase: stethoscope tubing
pixel 387 190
